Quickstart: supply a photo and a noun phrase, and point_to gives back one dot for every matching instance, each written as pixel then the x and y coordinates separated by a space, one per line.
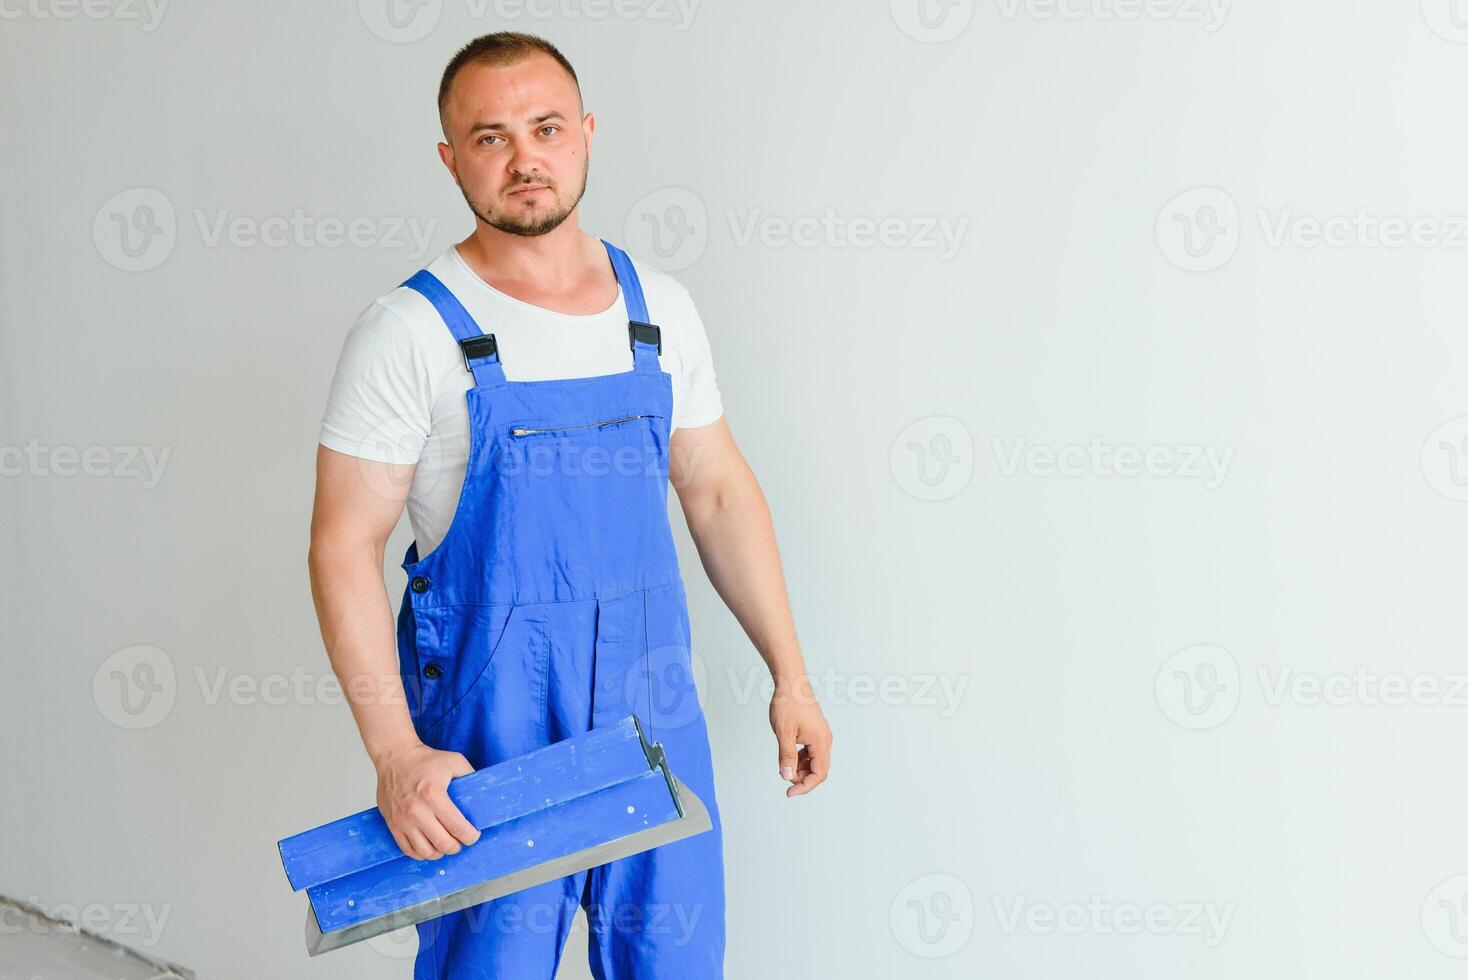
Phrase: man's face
pixel 517 146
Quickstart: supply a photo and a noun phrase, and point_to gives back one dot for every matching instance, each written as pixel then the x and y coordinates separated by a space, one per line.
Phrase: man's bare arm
pixel 729 520
pixel 358 502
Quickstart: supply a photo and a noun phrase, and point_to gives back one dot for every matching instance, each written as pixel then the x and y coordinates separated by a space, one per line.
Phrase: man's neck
pixel 565 270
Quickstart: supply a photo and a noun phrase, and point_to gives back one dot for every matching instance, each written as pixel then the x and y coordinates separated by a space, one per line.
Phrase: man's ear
pixel 446 154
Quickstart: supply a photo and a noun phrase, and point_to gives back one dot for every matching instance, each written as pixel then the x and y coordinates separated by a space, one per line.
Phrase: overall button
pixel 419 583
pixel 433 672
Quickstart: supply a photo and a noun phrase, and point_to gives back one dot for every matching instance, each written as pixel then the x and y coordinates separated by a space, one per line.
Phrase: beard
pixel 534 221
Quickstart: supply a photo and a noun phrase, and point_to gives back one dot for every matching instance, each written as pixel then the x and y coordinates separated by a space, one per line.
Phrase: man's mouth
pixel 529 190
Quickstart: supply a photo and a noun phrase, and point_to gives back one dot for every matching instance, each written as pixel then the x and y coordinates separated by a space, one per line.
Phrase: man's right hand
pixel 413 795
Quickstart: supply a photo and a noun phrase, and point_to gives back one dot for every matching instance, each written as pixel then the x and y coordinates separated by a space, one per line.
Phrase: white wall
pixel 1081 695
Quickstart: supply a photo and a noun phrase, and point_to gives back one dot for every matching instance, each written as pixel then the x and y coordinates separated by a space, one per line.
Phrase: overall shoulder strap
pixel 481 355
pixel 645 338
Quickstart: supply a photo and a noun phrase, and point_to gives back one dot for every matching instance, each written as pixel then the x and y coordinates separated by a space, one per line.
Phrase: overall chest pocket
pixel 521 431
pixel 620 448
pixel 586 498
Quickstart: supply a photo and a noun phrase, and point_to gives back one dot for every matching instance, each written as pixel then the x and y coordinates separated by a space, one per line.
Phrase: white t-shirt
pixel 398 392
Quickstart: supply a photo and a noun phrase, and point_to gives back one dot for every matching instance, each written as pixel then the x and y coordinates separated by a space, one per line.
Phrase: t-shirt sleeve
pixel 380 403
pixel 699 401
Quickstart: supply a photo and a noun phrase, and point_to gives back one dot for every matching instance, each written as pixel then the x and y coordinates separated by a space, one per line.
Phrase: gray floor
pixel 34 946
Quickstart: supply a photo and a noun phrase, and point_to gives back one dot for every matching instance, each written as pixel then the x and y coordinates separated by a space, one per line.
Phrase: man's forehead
pixel 535 86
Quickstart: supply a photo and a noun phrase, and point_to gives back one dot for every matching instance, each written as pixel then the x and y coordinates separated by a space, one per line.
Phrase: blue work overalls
pixel 554 604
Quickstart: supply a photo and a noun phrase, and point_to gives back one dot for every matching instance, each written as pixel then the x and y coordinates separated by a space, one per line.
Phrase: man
pixel 529 396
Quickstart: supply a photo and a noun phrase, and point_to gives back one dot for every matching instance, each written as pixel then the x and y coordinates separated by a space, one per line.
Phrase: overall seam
pixel 647 664
pixel 434 728
pixel 554 602
pixel 544 672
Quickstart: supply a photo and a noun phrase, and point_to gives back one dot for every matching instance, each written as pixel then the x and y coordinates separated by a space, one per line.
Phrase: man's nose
pixel 525 164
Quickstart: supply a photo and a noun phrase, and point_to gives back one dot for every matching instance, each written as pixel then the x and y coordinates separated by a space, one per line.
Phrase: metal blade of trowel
pixel 579 803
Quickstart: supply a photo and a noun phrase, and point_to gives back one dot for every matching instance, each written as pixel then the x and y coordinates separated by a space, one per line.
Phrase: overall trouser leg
pixel 570 667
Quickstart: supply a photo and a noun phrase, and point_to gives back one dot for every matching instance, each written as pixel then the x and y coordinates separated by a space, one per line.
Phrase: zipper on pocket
pixel 582 425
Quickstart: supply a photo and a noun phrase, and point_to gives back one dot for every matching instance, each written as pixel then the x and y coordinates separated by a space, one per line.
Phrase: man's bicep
pixel 700 459
pixel 358 500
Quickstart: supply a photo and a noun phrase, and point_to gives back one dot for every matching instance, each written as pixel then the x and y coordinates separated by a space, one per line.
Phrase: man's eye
pixel 550 129
pixel 490 136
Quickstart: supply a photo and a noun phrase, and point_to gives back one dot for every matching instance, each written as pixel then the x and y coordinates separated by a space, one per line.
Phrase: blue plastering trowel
pixel 578 803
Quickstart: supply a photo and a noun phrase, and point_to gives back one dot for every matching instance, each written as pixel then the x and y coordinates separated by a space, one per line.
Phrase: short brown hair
pixel 502 48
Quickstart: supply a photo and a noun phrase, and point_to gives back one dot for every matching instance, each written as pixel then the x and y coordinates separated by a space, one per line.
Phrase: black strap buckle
pixel 648 333
pixel 477 347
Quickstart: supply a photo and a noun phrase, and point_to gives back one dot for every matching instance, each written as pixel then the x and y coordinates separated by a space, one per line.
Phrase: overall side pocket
pixel 456 648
